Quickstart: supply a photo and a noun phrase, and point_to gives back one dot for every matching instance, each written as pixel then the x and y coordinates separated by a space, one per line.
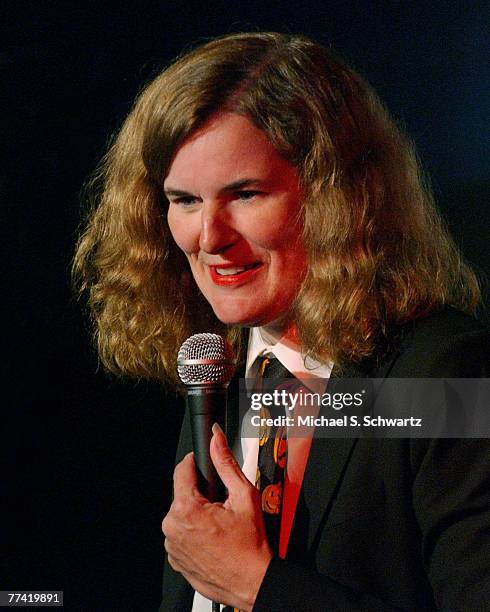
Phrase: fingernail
pixel 220 439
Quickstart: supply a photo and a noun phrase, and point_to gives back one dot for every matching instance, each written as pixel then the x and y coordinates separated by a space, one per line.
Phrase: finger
pixel 226 465
pixel 208 590
pixel 185 479
pixel 185 566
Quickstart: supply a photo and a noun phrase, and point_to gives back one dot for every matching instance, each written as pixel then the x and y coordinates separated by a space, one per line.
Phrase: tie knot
pixel 272 368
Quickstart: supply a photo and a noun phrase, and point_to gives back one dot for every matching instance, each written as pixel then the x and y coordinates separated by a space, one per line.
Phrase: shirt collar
pixel 289 354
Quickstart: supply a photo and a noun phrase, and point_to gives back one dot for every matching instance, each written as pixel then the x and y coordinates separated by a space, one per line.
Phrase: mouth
pixel 229 275
pixel 234 270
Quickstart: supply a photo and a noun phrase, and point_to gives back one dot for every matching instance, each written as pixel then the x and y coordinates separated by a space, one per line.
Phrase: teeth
pixel 229 271
pixel 237 270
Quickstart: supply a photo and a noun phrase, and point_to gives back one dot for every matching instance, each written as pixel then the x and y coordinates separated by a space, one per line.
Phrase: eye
pixel 246 194
pixel 185 201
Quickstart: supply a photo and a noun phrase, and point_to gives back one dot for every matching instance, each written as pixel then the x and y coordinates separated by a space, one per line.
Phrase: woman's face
pixel 234 211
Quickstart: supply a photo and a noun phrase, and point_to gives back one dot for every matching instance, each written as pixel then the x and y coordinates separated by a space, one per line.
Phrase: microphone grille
pixel 205 359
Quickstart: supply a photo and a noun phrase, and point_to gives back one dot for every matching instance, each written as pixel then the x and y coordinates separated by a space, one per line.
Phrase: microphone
pixel 205 365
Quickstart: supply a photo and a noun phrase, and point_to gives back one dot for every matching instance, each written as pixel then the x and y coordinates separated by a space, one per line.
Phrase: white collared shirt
pixel 261 342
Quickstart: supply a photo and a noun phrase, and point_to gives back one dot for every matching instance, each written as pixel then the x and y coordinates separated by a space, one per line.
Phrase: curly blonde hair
pixel 378 251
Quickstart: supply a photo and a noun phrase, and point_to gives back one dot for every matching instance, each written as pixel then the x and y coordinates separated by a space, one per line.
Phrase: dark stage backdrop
pixel 87 459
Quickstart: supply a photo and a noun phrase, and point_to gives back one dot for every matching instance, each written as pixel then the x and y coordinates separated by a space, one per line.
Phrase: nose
pixel 217 231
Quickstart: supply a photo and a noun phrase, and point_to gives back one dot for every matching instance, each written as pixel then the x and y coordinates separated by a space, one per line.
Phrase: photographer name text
pixel 343 421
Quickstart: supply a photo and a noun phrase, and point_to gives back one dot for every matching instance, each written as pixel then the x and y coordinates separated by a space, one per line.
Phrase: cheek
pixel 272 235
pixel 291 261
pixel 182 229
pixel 279 227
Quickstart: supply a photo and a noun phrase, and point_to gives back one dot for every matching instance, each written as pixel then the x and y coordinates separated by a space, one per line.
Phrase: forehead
pixel 226 148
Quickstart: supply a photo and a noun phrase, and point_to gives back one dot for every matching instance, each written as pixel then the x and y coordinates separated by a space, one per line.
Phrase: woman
pixel 259 183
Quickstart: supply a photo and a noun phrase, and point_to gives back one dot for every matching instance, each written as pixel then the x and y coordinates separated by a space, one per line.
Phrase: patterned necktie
pixel 272 455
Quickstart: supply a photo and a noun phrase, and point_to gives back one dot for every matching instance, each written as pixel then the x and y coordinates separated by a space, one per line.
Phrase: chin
pixel 236 316
pixel 239 321
pixel 245 319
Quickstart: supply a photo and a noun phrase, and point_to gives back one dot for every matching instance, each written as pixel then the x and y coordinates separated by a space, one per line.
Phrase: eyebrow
pixel 240 184
pixel 176 193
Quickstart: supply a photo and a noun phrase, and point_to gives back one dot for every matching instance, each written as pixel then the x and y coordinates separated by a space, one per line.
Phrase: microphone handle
pixel 206 405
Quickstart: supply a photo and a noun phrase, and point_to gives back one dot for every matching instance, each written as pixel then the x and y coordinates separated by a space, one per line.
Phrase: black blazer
pixel 387 524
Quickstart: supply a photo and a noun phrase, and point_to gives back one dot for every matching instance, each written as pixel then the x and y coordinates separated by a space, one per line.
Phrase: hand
pixel 221 549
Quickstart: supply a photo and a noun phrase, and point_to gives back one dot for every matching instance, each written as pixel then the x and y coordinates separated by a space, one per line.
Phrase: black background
pixel 86 458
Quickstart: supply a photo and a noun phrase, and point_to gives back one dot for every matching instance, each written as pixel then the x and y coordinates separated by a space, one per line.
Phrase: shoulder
pixel 448 320
pixel 448 343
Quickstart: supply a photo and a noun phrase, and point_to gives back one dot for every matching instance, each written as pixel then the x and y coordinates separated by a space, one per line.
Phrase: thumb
pixel 226 465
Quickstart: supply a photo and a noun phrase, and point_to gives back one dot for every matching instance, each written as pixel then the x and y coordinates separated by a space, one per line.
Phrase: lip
pixel 233 279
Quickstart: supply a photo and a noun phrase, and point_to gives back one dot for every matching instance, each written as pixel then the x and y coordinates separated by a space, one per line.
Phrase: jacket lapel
pixel 328 461
pixel 326 464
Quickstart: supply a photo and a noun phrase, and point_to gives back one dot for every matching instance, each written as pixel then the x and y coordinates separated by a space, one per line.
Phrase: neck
pixel 278 330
